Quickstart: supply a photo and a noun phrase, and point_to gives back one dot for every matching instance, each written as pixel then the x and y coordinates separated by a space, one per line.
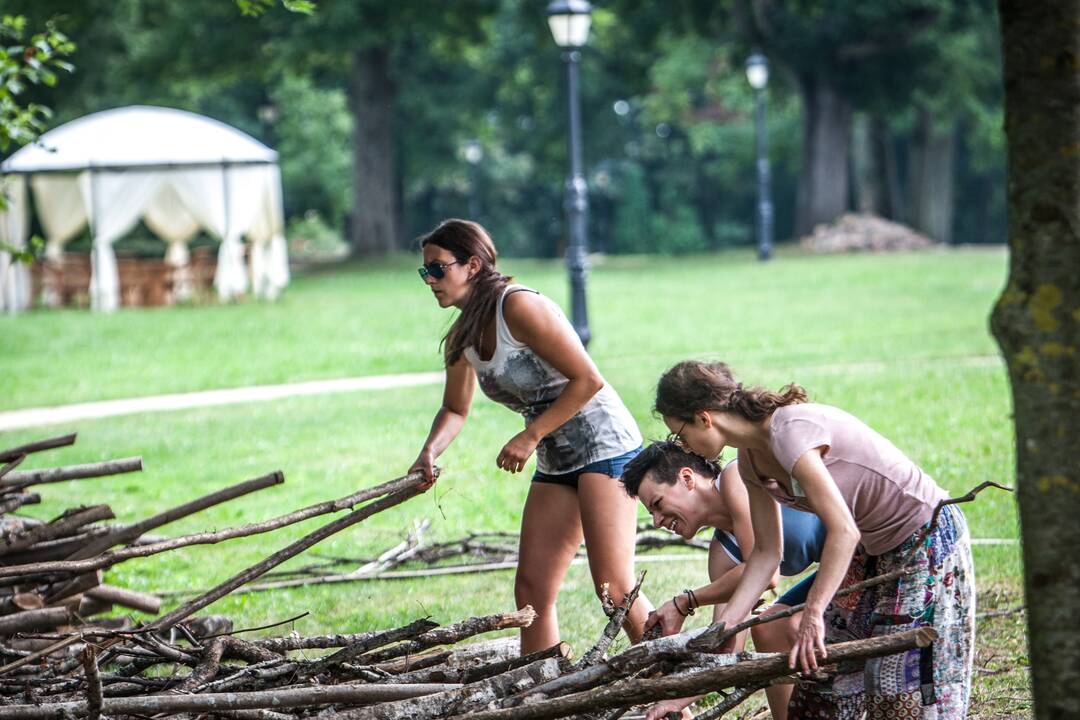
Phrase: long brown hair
pixel 465 239
pixel 693 386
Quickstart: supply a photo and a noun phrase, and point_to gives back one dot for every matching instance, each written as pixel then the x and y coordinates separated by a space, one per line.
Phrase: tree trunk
pixel 1037 322
pixel 866 175
pixel 931 178
pixel 823 180
pixel 372 98
pixel 885 152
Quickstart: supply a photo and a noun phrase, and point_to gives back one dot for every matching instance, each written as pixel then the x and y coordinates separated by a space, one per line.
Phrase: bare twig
pixel 60 441
pixel 93 683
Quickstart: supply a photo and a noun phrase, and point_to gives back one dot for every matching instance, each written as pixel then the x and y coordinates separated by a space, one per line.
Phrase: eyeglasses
pixel 436 270
pixel 676 439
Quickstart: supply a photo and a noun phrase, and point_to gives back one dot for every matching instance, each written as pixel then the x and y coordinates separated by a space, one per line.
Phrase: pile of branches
pixel 418 557
pixel 180 664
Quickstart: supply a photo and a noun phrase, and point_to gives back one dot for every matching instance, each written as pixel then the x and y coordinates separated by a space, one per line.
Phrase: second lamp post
pixel 757 74
pixel 569 21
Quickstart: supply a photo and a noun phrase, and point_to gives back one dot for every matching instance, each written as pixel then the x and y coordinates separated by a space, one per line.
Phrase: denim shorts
pixel 612 467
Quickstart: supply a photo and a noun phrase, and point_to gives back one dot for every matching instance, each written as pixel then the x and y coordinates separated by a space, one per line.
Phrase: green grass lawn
pixel 899 340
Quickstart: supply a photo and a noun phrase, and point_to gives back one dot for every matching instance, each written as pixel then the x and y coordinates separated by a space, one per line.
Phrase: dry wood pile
pixel 860 232
pixel 62 662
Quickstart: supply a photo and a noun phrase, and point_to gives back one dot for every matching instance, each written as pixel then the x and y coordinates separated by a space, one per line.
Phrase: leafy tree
pixel 27 61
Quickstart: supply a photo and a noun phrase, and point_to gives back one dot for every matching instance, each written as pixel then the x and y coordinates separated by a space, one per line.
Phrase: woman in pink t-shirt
pixel 875 504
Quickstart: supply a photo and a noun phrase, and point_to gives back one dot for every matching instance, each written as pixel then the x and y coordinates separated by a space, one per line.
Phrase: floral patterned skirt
pixel 931 683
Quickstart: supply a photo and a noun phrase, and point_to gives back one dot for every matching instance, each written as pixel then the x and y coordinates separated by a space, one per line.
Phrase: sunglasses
pixel 676 439
pixel 436 270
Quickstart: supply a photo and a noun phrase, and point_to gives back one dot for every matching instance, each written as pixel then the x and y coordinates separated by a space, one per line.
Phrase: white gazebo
pixel 175 170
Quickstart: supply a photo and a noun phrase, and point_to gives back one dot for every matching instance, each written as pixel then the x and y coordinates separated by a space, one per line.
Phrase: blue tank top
pixel 804 539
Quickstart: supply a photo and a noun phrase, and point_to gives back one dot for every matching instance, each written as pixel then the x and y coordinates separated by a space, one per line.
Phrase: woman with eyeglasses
pixel 526 356
pixel 876 505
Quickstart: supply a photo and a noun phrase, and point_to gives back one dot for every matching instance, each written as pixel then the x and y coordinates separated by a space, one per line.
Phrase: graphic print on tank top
pixel 519 379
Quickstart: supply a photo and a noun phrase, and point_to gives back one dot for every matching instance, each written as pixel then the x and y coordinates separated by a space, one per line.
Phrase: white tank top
pixel 518 378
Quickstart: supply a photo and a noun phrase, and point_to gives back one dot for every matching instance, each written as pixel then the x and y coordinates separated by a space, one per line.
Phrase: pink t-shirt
pixel 889 496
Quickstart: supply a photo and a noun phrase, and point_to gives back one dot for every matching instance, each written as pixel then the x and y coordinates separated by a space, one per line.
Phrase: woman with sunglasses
pixel 877 507
pixel 526 356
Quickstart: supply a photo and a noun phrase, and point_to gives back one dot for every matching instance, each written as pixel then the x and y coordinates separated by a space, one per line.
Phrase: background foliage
pixel 668 113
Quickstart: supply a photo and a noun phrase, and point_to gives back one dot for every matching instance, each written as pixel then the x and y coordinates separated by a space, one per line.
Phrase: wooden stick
pixel 58 645
pixel 75 586
pixel 16 462
pixel 60 441
pixel 62 526
pixel 143 602
pixel 390 558
pixel 633 691
pixel 10 504
pixel 354 650
pixel 459 700
pixel 93 683
pixel 454 633
pixel 371 640
pixel 108 559
pixel 611 630
pixel 715 635
pixel 282 698
pixel 130 532
pixel 33 620
pixel 731 701
pixel 19 480
pixel 456 671
pixel 410 486
pixel 206 670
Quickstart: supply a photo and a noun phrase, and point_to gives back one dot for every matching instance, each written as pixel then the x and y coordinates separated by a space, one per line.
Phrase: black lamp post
pixel 757 73
pixel 569 21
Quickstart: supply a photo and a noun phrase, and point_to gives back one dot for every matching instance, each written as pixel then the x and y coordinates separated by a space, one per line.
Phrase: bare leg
pixel 777 636
pixel 550 536
pixel 609 522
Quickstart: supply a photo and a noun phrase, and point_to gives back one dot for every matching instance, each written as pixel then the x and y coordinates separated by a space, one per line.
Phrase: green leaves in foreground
pixel 25 62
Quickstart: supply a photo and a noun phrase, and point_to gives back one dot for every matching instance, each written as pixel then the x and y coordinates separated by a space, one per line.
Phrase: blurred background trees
pixel 892 107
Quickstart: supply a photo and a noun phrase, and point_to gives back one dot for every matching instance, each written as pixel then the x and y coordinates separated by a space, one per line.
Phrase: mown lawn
pixel 899 340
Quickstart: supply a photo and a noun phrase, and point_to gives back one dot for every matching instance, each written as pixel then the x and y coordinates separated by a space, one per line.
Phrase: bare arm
pixel 457 399
pixel 841 538
pixel 734 493
pixel 532 322
pixel 761 565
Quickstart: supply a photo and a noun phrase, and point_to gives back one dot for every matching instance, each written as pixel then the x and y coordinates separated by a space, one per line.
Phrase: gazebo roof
pixel 138 136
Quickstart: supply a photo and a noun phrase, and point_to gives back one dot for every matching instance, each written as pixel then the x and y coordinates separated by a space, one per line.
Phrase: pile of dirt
pixel 854 232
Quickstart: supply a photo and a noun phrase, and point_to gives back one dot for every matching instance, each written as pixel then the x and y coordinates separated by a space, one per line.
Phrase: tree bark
pixel 375 227
pixel 931 177
pixel 823 179
pixel 1037 323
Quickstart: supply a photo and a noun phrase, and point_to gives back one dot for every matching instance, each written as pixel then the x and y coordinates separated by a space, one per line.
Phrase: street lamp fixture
pixel 757 74
pixel 570 21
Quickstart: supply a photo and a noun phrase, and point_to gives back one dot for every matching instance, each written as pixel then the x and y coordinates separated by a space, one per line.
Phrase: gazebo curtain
pixel 230 201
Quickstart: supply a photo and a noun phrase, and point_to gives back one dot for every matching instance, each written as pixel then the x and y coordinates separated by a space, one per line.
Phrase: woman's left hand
pixel 517 452
pixel 809 643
